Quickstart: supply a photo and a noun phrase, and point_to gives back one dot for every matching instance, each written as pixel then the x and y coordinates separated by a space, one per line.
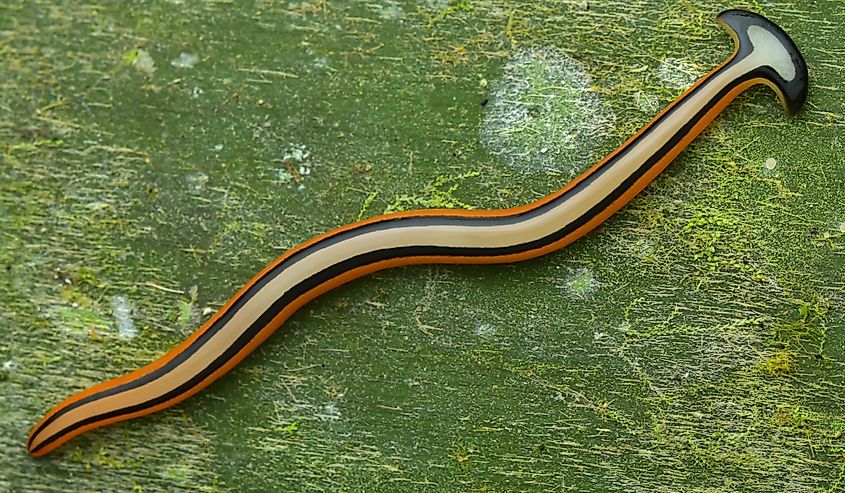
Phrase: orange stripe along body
pixel 764 54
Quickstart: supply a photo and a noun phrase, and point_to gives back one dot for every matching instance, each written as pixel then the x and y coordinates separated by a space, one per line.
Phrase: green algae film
pixel 154 158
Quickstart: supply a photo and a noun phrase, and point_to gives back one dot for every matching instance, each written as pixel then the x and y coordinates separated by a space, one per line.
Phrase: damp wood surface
pixel 155 155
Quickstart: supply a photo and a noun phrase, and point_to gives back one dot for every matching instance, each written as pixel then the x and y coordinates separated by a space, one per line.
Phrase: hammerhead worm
pixel 763 54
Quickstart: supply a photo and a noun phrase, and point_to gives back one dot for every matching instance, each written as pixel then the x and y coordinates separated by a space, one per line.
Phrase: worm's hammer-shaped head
pixel 770 54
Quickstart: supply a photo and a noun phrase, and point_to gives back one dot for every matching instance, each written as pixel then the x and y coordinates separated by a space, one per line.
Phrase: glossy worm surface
pixel 764 54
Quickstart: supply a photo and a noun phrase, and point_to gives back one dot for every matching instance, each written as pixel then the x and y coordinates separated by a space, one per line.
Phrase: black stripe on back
pixel 378 255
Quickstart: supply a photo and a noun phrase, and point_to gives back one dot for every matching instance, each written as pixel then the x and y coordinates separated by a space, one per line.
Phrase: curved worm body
pixel 764 54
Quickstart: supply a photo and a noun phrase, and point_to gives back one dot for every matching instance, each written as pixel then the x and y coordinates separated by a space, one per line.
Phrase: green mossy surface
pixel 692 343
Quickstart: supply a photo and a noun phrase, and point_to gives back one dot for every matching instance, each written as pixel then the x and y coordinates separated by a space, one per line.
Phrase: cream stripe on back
pixel 443 236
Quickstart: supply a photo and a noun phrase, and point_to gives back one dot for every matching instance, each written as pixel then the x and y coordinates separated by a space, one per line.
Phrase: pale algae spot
pixel 297 153
pixel 196 182
pixel 581 283
pixel 677 73
pixel 390 10
pixel 7 369
pixel 185 60
pixel 321 63
pixel 647 102
pixel 542 114
pixel 437 4
pixel 283 176
pixel 296 166
pixel 143 61
pixel 122 309
pixel 305 410
pixel 486 330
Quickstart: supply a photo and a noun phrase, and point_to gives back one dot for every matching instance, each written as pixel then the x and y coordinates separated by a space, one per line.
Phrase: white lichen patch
pixel 196 182
pixel 185 61
pixel 677 73
pixel 283 176
pixel 642 248
pixel 329 412
pixel 390 10
pixel 9 367
pixel 542 115
pixel 144 62
pixel 296 152
pixel 486 330
pixel 581 283
pixel 647 102
pixel 303 411
pixel 437 4
pixel 296 166
pixel 121 309
pixel 321 63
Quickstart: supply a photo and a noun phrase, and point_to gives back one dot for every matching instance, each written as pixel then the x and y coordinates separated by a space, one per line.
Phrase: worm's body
pixel 764 54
